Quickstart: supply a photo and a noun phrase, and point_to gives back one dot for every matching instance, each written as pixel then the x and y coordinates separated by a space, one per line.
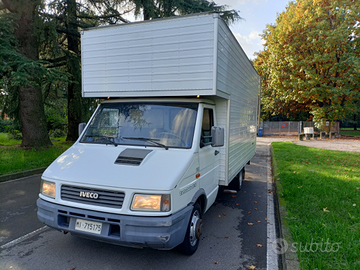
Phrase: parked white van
pixel 179 121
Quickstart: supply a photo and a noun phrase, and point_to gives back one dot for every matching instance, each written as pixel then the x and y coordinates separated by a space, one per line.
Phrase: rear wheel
pixel 237 182
pixel 193 232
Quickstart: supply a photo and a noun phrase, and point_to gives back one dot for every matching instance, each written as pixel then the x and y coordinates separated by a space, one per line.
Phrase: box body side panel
pixel 237 77
pixel 171 57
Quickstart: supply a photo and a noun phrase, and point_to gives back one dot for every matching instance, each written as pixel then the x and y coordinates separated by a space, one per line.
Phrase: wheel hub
pixel 195 228
pixel 199 229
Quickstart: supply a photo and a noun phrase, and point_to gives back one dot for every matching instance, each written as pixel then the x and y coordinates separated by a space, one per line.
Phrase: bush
pixel 56 120
pixel 13 133
pixel 12 128
pixel 4 124
pixel 57 133
pixel 55 117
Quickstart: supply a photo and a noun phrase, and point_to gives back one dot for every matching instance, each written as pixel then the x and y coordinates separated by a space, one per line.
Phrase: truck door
pixel 209 158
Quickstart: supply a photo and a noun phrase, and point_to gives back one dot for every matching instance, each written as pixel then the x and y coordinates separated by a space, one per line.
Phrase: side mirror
pixel 81 128
pixel 217 134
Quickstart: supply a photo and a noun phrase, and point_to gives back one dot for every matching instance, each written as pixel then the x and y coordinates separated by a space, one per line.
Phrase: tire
pixel 237 182
pixel 193 232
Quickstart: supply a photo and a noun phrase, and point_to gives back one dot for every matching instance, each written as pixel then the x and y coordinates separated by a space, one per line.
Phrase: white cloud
pixel 250 43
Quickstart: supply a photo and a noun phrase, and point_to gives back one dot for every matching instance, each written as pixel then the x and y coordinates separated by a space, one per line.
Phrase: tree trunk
pixel 74 88
pixel 355 122
pixel 32 114
pixel 146 9
pixel 74 108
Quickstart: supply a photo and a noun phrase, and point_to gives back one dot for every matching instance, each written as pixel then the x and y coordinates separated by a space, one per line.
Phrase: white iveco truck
pixel 179 120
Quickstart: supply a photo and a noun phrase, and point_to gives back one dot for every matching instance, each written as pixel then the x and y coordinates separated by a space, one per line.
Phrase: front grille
pixel 103 198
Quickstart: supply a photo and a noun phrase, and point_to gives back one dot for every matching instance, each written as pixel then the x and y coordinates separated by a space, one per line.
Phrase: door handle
pixel 216 152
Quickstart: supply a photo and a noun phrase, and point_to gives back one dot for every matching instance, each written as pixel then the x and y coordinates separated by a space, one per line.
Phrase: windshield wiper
pixel 111 140
pixel 105 139
pixel 146 140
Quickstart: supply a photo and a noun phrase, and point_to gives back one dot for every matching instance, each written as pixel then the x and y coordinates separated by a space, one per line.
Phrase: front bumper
pixel 155 232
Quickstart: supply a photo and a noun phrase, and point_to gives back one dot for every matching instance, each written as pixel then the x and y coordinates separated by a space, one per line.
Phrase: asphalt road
pixel 18 208
pixel 237 231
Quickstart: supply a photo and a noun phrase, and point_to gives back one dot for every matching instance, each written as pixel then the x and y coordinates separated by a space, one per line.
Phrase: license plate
pixel 88 226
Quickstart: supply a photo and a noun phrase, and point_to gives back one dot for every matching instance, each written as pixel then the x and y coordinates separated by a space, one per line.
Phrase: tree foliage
pixel 62 21
pixel 152 9
pixel 41 51
pixel 310 62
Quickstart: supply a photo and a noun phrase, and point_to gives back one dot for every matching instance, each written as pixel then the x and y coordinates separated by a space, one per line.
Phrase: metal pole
pixel 259 101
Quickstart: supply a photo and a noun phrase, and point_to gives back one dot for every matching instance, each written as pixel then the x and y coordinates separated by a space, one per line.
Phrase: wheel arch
pixel 200 197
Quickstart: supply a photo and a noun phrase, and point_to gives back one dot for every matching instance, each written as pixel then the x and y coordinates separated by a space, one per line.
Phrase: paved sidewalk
pixel 337 144
pixel 347 145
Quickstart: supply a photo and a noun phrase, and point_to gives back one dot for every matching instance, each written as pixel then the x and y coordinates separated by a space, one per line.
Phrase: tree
pixel 63 20
pixel 25 73
pixel 310 61
pixel 152 9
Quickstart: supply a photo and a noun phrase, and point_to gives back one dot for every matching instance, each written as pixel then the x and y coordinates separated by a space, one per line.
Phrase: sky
pixel 256 15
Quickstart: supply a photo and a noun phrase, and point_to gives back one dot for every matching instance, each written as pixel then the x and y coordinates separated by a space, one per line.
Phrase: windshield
pixel 162 125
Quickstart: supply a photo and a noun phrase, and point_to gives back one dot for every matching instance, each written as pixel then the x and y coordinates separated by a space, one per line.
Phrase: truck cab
pixel 140 174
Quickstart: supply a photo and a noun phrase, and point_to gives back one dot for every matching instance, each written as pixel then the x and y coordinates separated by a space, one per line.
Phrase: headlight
pixel 146 202
pixel 47 188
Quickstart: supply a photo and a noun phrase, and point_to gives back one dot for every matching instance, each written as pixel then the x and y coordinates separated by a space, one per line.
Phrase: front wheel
pixel 193 232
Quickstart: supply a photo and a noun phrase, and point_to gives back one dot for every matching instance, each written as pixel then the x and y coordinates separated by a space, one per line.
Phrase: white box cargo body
pixel 179 57
pixel 180 119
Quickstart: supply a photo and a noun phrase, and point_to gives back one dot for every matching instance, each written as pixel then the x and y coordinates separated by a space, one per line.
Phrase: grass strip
pixel 14 159
pixel 350 132
pixel 321 190
pixel 4 140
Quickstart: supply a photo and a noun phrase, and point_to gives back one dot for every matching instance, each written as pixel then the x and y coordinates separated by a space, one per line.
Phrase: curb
pixel 17 175
pixel 289 258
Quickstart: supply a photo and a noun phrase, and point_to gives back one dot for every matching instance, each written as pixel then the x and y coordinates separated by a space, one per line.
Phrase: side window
pixel 207 123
